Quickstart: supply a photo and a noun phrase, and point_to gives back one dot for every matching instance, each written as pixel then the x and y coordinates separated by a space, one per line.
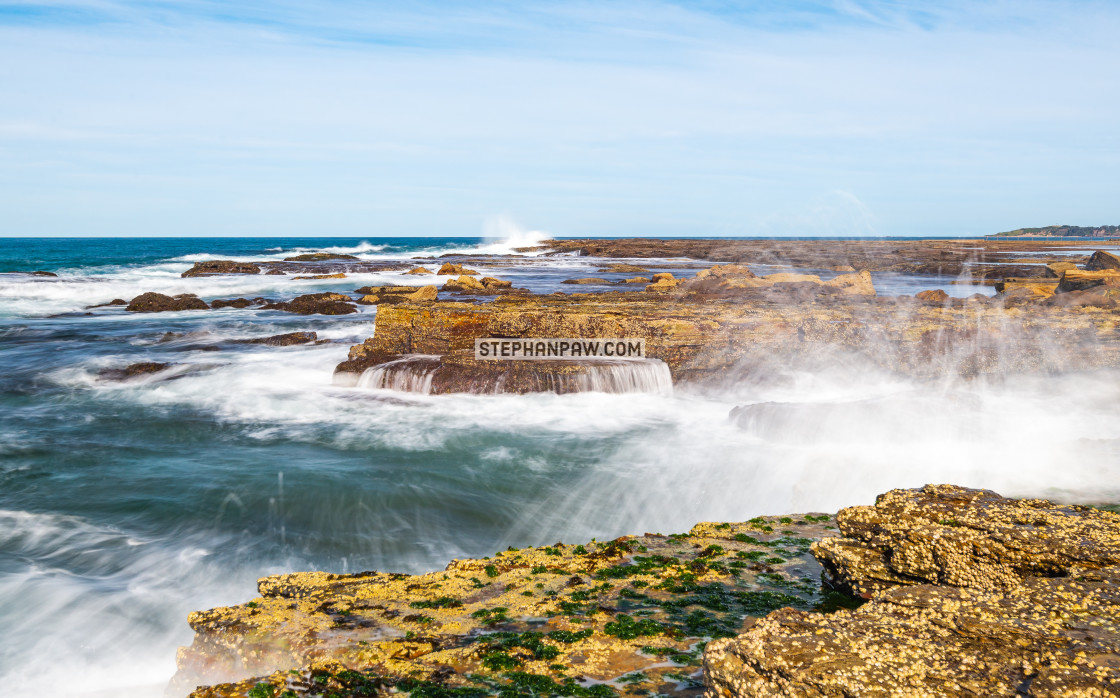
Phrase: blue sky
pixel 851 117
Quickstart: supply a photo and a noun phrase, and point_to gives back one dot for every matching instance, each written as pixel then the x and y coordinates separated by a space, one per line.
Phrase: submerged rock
pixel 235 302
pixel 586 280
pixel 971 594
pixel 159 303
pixel 43 273
pixel 419 270
pixel 313 277
pixel 212 267
pixel 114 302
pixel 142 368
pixel 283 340
pixel 622 268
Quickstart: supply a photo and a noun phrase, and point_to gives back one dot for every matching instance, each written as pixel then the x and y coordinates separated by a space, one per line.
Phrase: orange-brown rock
pixel 376 295
pixel 486 286
pixel 1056 269
pixel 419 270
pixel 1073 280
pixel 934 296
pixel 702 337
pixel 629 611
pixel 450 269
pixel 1031 289
pixel 971 594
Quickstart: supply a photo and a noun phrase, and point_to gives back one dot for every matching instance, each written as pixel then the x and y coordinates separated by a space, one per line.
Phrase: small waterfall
pixel 410 374
pixel 625 376
pixel 416 374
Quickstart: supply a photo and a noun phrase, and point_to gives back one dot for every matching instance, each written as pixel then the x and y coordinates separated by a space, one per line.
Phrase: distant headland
pixel 1065 231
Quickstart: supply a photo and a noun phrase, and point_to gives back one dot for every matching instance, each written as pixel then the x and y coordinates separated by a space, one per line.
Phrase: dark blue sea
pixel 126 505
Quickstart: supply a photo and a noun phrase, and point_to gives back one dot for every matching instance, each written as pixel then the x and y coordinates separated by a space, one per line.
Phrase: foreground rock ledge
pixel 595 620
pixel 971 594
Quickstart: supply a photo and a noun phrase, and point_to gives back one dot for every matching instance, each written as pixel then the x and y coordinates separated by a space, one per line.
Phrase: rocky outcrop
pixel 486 286
pixel 376 295
pixel 316 304
pixel 936 296
pixel 319 257
pixel 451 269
pixel 703 336
pixel 1056 269
pixel 462 373
pixel 590 620
pixel 971 594
pixel 1073 280
pixel 419 270
pixel 1103 261
pixel 159 303
pixel 221 266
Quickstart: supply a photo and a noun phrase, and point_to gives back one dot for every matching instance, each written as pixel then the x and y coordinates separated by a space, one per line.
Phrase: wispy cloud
pixel 580 118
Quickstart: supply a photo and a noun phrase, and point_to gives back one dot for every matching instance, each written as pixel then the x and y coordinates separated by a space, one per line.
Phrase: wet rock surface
pixel 159 303
pixel 142 368
pixel 319 257
pixel 970 594
pixel 702 329
pixel 316 304
pixel 221 266
pixel 375 295
pixel 595 620
pixel 283 340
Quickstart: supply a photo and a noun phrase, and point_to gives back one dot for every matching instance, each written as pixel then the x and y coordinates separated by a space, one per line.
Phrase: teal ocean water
pixel 124 506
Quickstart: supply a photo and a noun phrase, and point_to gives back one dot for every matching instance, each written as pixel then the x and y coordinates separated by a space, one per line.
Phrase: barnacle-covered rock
pixel 971 594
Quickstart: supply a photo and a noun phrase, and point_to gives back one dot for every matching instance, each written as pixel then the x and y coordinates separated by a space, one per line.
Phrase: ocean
pixel 126 505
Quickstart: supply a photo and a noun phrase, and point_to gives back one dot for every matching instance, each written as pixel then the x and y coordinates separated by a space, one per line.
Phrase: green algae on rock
pixel 593 620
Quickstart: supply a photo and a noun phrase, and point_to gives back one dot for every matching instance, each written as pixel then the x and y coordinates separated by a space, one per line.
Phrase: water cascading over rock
pixel 427 374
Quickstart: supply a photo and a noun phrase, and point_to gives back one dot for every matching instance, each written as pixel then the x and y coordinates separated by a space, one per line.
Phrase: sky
pixel 710 118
